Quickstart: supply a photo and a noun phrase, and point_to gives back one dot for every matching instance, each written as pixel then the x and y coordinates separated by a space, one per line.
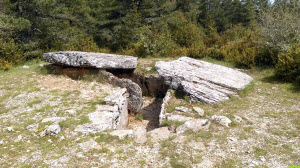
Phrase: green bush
pixel 10 53
pixel 288 65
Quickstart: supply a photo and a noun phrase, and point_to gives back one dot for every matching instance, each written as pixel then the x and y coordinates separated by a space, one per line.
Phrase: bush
pixel 10 53
pixel 288 65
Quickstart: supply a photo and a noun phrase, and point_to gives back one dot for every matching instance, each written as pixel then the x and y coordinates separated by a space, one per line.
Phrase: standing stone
pixel 202 81
pixel 91 60
pixel 162 115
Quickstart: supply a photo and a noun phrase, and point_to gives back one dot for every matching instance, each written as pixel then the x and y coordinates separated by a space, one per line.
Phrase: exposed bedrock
pixel 202 81
pixel 91 60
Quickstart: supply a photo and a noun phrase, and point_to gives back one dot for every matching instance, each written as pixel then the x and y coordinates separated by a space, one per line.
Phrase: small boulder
pixel 32 127
pixel 122 134
pixel 199 110
pixel 237 119
pixel 194 125
pixel 25 66
pixel 222 120
pixel 159 134
pixel 9 129
pixel 140 135
pixel 51 130
pixel 182 109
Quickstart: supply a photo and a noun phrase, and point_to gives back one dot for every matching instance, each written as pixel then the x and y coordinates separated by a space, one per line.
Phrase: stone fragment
pixel 159 134
pixel 91 60
pixel 32 127
pixel 199 110
pixel 194 125
pixel 71 112
pixel 202 81
pixel 180 118
pixel 140 135
pixel 122 134
pixel 182 109
pixel 25 66
pixel 51 130
pixel 237 119
pixel 10 129
pixel 222 120
pixel 18 139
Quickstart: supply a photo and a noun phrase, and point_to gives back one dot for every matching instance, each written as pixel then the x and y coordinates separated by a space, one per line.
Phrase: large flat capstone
pixel 202 81
pixel 91 60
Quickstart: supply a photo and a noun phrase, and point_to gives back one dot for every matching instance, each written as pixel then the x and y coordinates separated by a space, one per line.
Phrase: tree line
pixel 246 32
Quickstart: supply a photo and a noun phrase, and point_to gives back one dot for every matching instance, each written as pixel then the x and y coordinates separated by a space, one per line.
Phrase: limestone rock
pixel 199 110
pixel 162 115
pixel 222 120
pixel 194 125
pixel 182 109
pixel 140 135
pixel 114 115
pixel 159 134
pixel 135 102
pixel 180 118
pixel 91 60
pixel 51 130
pixel 32 127
pixel 202 81
pixel 237 119
pixel 122 134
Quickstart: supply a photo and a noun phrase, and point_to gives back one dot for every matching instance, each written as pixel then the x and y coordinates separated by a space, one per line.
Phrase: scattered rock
pixel 162 115
pixel 182 109
pixel 237 119
pixel 32 127
pixel 19 138
pixel 199 110
pixel 10 129
pixel 180 139
pixel 159 134
pixel 197 145
pixel 222 120
pixel 122 134
pixel 140 135
pixel 51 130
pixel 91 60
pixel 180 118
pixel 232 139
pixel 89 145
pixel 148 68
pixel 202 81
pixel 206 163
pixel 54 119
pixel 25 66
pixel 71 112
pixel 194 125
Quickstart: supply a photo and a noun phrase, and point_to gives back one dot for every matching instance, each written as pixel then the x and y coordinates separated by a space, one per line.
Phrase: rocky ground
pixel 264 129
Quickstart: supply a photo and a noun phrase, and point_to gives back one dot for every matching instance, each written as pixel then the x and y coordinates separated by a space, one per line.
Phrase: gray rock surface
pixel 91 60
pixel 164 105
pixel 202 81
pixel 182 109
pixel 193 125
pixel 51 130
pixel 122 134
pixel 222 120
pixel 159 134
pixel 114 115
pixel 199 110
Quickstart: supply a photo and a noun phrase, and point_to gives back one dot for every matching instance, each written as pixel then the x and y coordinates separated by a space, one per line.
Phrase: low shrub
pixel 10 54
pixel 288 65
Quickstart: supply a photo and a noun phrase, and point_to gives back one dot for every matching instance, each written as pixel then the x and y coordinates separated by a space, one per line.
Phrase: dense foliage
pixel 245 32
